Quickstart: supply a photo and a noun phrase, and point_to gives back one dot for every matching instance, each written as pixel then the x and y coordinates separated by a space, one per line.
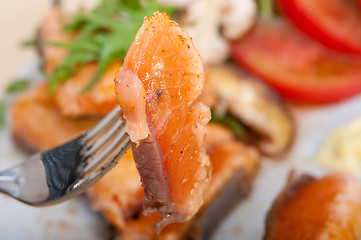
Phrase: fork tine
pixel 108 165
pixel 110 146
pixel 99 127
pixel 102 139
pixel 64 171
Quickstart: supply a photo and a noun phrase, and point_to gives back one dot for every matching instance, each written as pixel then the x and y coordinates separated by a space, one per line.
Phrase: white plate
pixel 313 125
pixel 75 220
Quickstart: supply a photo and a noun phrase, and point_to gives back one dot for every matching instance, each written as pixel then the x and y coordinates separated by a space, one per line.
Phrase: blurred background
pixel 18 22
pixel 18 19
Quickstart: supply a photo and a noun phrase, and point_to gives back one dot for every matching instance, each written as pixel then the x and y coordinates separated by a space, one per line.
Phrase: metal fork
pixel 61 173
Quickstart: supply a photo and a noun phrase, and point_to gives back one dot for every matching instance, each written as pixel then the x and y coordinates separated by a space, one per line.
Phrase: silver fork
pixel 61 173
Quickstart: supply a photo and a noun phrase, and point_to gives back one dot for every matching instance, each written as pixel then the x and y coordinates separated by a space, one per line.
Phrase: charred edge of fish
pixel 211 216
pixel 155 184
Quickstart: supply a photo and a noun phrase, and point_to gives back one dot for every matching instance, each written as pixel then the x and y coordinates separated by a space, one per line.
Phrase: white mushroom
pixel 240 16
pixel 211 22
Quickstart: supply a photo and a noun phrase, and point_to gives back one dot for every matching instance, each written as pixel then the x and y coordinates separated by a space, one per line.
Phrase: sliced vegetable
pixel 250 108
pixel 335 23
pixel 299 68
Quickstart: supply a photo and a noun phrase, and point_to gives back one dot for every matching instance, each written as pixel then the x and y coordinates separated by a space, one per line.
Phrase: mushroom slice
pixel 252 103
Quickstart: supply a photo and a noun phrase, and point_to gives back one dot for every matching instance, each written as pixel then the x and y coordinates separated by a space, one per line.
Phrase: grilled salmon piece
pixel 160 79
pixel 100 99
pixel 309 208
pixel 37 123
pixel 97 101
pixel 119 194
pixel 52 31
pixel 234 168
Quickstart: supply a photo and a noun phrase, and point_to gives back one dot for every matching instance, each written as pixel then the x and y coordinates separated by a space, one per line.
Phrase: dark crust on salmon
pixel 294 184
pixel 237 188
pixel 149 162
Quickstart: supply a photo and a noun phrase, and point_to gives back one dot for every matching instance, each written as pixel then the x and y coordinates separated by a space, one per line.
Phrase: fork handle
pixel 10 181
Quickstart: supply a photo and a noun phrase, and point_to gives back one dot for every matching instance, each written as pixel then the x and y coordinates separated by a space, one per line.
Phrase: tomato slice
pixel 296 66
pixel 334 23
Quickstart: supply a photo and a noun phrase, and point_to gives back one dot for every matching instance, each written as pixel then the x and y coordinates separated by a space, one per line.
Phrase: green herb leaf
pixel 28 43
pixel 231 122
pixel 16 86
pixel 41 69
pixel 265 8
pixel 104 35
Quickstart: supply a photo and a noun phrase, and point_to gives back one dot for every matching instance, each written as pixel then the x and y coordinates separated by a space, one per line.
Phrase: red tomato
pixel 296 66
pixel 335 23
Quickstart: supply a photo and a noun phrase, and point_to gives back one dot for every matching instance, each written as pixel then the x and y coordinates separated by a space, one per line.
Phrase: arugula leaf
pixel 28 43
pixel 266 8
pixel 231 122
pixel 103 35
pixel 41 69
pixel 16 86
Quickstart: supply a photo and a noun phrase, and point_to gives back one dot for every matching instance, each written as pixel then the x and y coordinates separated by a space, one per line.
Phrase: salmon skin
pixel 161 77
